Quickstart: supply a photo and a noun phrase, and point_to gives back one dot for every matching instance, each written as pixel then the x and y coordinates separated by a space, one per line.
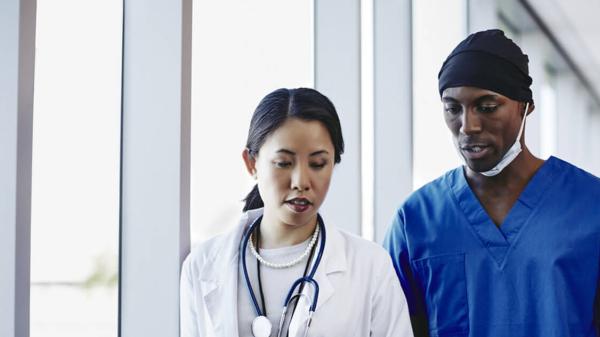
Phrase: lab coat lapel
pixel 221 302
pixel 219 282
pixel 333 261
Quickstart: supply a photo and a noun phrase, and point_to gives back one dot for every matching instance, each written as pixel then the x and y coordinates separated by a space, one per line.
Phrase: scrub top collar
pixel 499 240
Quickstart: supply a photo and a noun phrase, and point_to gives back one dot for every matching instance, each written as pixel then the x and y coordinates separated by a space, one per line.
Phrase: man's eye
pixel 282 164
pixel 452 109
pixel 487 108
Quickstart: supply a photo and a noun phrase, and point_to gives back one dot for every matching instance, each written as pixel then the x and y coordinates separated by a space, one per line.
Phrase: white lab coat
pixel 360 294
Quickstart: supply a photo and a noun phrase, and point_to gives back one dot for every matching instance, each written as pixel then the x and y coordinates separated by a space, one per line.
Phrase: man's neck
pixel 498 194
pixel 514 176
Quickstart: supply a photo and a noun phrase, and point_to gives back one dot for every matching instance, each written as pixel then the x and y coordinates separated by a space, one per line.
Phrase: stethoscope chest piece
pixel 261 327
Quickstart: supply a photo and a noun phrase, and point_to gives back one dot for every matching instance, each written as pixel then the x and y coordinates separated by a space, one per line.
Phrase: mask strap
pixel 523 122
pixel 512 153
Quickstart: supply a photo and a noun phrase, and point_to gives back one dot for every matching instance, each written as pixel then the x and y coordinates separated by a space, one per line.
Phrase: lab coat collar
pixel 219 274
pixel 219 278
pixel 334 261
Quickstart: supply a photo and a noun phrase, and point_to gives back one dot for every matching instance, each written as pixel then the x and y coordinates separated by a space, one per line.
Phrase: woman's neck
pixel 275 234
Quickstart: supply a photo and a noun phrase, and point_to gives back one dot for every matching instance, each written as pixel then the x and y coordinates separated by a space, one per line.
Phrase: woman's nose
pixel 300 179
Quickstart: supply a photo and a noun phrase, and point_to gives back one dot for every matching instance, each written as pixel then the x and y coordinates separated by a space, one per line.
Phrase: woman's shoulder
pixel 364 259
pixel 219 247
pixel 210 246
pixel 359 248
pixel 222 245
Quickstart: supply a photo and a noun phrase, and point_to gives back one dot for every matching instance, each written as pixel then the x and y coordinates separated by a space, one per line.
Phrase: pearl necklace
pixel 294 262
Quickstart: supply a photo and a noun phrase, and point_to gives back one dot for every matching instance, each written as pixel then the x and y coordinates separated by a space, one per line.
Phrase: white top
pixel 275 285
pixel 360 294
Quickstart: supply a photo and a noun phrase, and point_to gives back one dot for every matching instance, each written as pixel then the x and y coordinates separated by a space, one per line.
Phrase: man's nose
pixel 470 122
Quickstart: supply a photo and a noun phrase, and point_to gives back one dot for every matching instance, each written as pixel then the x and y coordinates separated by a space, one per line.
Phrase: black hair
pixel 275 108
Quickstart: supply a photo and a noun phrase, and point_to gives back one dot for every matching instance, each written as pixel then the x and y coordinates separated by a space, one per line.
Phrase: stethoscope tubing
pixel 296 284
pixel 245 239
pixel 309 278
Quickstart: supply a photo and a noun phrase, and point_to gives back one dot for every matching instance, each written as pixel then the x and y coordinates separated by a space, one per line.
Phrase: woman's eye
pixel 318 165
pixel 487 108
pixel 282 164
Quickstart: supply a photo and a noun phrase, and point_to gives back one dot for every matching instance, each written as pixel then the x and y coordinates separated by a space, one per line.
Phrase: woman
pixel 281 253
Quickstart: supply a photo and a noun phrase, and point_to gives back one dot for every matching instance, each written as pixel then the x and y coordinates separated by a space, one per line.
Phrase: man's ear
pixel 250 162
pixel 530 108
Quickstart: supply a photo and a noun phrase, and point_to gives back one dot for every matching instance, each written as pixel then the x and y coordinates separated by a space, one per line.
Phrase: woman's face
pixel 293 169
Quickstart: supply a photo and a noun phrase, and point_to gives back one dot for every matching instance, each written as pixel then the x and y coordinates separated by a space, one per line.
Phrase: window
pixel 438 26
pixel 241 51
pixel 75 175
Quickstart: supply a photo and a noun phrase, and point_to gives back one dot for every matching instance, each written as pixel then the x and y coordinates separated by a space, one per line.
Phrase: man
pixel 509 244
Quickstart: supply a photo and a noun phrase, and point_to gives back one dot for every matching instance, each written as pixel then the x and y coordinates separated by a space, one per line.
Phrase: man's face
pixel 484 124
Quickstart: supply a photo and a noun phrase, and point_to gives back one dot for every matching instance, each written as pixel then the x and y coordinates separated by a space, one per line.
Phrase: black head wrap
pixel 488 60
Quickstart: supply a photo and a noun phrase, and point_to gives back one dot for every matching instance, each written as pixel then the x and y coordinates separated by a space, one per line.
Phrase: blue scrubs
pixel 536 275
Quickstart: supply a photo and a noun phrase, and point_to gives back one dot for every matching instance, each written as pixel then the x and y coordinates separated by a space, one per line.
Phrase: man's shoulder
pixel 436 190
pixel 576 175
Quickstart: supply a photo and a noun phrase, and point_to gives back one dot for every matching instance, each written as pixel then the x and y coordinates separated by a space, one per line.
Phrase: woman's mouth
pixel 298 205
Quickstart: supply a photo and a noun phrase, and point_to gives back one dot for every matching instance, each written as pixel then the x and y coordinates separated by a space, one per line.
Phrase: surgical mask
pixel 511 154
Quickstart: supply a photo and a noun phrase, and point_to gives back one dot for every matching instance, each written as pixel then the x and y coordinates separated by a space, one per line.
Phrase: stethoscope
pixel 261 325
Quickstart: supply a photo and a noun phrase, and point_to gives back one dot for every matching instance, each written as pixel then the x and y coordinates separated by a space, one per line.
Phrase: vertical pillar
pixel 337 75
pixel 481 15
pixel 393 109
pixel 17 64
pixel 155 164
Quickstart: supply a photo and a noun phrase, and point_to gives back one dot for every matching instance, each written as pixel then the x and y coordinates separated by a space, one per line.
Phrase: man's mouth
pixel 474 148
pixel 475 151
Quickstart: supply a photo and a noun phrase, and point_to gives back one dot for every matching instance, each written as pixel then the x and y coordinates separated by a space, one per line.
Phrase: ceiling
pixel 576 26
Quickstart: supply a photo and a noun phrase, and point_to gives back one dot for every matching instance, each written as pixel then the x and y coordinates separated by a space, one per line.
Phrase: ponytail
pixel 253 200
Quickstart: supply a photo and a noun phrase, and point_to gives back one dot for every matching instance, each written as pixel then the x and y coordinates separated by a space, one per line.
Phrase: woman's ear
pixel 250 162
